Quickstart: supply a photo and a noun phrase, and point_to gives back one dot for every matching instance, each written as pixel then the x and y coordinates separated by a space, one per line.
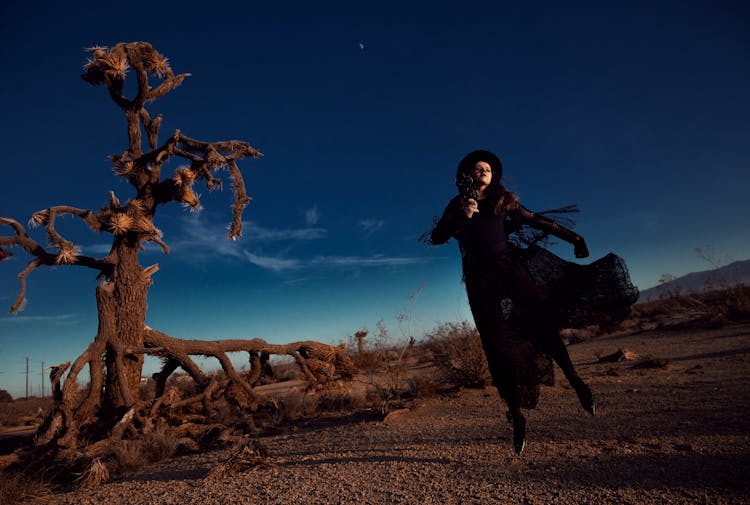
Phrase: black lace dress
pixel 521 298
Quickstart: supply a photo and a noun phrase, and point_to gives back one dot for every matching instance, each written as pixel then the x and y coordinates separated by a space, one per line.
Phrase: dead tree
pixel 112 406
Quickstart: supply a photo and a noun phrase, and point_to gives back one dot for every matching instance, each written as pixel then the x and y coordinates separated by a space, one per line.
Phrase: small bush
pixel 5 396
pixel 95 475
pixel 707 309
pixel 160 444
pixel 421 387
pixel 578 335
pixel 128 455
pixel 296 406
pixel 286 371
pixel 339 401
pixel 27 411
pixel 458 354
pixel 183 383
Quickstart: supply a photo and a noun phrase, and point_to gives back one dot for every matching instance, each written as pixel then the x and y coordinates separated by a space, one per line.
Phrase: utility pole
pixel 42 379
pixel 27 377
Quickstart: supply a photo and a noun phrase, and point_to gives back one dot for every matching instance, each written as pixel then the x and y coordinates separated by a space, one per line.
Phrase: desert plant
pixel 95 475
pixel 112 405
pixel 295 406
pixel 458 354
pixel 5 396
pixel 127 455
pixel 708 309
pixel 160 444
pixel 338 401
pixel 24 411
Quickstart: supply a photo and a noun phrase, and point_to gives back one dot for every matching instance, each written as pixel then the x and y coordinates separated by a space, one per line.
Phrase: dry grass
pixel 160 444
pixel 130 455
pixel 249 456
pixel 295 406
pixel 457 352
pixel 339 402
pixel 95 475
pixel 127 455
pixel 707 309
pixel 284 370
pixel 17 487
pixel 26 412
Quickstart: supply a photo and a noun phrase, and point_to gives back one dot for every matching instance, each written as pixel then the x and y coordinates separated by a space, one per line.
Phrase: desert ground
pixel 671 428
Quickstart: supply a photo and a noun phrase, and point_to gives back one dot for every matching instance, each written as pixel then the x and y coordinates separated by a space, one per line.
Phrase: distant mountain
pixel 726 276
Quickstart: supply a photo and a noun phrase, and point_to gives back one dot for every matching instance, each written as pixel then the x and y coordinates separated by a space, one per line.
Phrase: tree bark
pixel 122 316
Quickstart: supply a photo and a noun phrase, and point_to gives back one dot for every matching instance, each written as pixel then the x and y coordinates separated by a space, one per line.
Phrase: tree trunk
pixel 122 316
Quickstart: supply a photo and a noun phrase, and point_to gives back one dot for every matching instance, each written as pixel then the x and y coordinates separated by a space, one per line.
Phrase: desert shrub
pixel 420 387
pixel 95 475
pixel 183 383
pixel 160 444
pixel 339 401
pixel 705 309
pixel 578 335
pixel 5 396
pixel 733 302
pixel 28 411
pixel 286 370
pixel 295 406
pixel 157 445
pixel 127 455
pixel 458 354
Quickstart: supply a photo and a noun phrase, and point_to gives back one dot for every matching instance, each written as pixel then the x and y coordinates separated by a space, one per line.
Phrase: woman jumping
pixel 516 323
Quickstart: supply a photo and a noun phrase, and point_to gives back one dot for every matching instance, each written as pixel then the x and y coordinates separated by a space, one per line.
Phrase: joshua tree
pixel 112 406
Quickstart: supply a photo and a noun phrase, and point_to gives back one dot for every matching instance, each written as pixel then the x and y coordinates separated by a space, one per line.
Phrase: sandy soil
pixel 672 434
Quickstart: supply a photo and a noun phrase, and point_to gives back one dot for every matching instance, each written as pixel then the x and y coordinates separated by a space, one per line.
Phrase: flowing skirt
pixel 521 298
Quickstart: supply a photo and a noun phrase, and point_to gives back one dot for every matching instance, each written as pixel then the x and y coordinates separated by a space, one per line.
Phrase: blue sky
pixel 635 111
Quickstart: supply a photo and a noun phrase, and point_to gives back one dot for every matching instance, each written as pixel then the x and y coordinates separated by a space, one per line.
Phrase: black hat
pixel 471 159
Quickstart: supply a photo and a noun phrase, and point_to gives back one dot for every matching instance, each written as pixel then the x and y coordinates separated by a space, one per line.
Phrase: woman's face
pixel 482 174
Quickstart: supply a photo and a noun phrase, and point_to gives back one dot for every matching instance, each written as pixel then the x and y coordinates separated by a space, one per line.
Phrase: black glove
pixel 579 248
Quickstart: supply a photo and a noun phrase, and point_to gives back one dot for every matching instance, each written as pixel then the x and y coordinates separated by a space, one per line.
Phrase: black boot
pixel 585 396
pixel 519 431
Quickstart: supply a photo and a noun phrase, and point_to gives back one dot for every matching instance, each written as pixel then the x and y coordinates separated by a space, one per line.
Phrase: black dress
pixel 518 310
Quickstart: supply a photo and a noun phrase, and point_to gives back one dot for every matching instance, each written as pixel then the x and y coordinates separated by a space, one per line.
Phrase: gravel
pixel 673 434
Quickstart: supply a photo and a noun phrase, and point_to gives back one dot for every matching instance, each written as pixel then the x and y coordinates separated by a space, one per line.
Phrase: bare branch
pixel 134 52
pixel 67 254
pixel 43 217
pixel 55 374
pixel 166 86
pixel 305 352
pixel 151 127
pixel 233 149
pixel 18 304
pixel 21 238
pixel 240 200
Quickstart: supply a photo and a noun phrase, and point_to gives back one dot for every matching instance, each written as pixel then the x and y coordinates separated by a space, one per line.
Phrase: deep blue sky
pixel 637 111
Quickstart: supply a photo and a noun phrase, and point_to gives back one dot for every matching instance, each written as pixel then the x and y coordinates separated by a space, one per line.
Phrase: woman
pixel 516 325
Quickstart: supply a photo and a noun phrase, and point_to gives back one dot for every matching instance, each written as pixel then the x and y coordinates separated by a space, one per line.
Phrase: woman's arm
pixel 450 224
pixel 549 226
